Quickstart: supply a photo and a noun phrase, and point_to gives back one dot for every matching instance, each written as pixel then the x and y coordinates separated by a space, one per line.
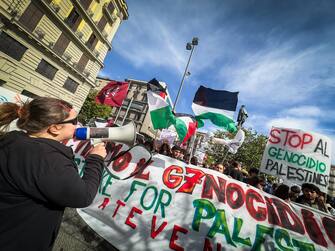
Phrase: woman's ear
pixel 54 130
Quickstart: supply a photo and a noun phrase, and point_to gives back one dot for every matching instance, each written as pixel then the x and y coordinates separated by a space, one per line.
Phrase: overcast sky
pixel 279 55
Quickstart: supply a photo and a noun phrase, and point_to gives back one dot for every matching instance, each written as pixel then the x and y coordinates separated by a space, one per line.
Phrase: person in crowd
pixel 175 152
pixel 220 168
pixel 194 160
pixel 187 158
pixel 234 171
pixel 282 192
pixel 253 172
pixel 149 145
pixel 322 201
pixel 274 187
pixel 329 206
pixel 165 149
pixel 245 174
pixel 268 186
pixel 294 192
pixel 310 197
pixel 38 175
pixel 257 181
pixel 181 154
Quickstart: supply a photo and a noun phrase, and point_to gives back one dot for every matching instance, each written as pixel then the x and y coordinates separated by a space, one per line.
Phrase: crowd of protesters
pixel 308 194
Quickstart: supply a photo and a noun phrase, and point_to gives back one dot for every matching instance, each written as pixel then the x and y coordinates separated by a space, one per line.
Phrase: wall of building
pixel 49 36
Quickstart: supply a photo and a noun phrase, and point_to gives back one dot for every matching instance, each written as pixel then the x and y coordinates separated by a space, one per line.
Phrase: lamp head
pixel 195 41
pixel 188 46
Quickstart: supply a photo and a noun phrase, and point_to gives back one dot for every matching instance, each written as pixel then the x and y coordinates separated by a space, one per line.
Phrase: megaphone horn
pixel 123 134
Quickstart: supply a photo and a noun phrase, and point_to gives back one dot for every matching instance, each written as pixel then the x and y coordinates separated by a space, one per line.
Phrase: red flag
pixel 113 94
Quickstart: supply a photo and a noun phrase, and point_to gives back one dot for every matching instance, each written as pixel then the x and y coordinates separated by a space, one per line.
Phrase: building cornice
pixel 123 7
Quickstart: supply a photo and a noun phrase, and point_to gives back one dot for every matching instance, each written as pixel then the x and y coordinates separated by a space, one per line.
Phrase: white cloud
pixel 303 111
pixel 307 124
pixel 278 76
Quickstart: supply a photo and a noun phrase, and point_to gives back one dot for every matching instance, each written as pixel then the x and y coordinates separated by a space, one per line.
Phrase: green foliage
pixel 250 153
pixel 90 109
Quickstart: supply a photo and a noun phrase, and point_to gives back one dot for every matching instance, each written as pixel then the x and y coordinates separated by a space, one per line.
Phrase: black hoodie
pixel 38 179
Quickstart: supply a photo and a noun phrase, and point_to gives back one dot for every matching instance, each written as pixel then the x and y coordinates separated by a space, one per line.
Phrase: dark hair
pixel 149 145
pixel 35 115
pixel 254 170
pixel 194 161
pixel 176 148
pixel 295 189
pixel 235 164
pixel 255 180
pixel 282 192
pixel 164 147
pixel 311 187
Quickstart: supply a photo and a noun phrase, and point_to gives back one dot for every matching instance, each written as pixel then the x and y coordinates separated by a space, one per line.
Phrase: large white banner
pixel 170 205
pixel 298 157
pixel 7 95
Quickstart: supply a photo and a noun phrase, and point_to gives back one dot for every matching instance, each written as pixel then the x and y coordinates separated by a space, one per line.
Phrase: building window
pixel 82 63
pixel 144 97
pixel 61 44
pixel 46 69
pixel 29 94
pixel 138 117
pixel 92 41
pixel 71 85
pixel 73 19
pixel 111 7
pixel 85 3
pixel 11 47
pixel 31 16
pixel 102 23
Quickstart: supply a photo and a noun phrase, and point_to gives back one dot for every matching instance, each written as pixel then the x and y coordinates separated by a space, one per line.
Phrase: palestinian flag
pixel 216 105
pixel 156 87
pixel 160 111
pixel 186 126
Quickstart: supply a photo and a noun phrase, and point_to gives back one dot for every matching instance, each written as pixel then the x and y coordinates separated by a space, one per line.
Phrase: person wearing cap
pixel 310 197
pixel 294 192
pixel 176 152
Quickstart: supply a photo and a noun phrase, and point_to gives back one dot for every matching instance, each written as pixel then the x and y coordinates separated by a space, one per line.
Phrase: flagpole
pixel 118 113
pixel 189 46
pixel 192 146
pixel 124 117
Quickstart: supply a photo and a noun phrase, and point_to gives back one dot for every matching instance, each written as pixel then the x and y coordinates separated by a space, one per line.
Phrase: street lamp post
pixel 189 46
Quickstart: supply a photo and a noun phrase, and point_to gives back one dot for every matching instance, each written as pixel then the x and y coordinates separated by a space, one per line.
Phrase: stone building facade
pixel 56 47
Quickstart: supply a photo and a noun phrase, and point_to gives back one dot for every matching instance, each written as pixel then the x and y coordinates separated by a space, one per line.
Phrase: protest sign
pixel 298 157
pixel 170 205
pixel 168 136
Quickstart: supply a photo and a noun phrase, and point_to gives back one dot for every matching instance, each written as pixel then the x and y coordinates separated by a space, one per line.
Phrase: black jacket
pixel 38 179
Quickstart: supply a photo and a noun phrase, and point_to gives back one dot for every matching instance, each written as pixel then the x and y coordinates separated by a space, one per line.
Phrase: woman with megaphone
pixel 38 175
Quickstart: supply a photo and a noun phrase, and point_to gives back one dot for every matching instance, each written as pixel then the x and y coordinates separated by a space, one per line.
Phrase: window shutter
pixel 92 41
pixel 82 63
pixel 85 3
pixel 73 20
pixel 111 7
pixel 61 44
pixel 30 17
pixel 102 23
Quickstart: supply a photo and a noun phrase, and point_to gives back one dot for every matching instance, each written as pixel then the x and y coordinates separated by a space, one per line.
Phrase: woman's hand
pixel 99 149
